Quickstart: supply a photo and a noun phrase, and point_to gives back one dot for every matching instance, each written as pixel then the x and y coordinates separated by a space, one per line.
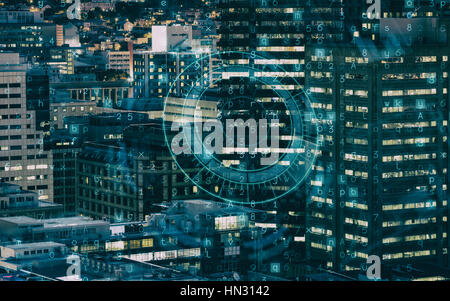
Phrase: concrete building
pixel 119 60
pixel 155 73
pixel 31 250
pixel 124 181
pixel 61 106
pixel 17 202
pixel 35 261
pixel 105 93
pixel 65 230
pixel 23 160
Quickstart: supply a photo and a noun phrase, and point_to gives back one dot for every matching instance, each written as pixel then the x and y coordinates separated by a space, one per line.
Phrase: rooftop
pixel 44 244
pixel 72 221
pixel 53 222
pixel 21 220
pixel 91 84
pixel 195 207
pixel 47 204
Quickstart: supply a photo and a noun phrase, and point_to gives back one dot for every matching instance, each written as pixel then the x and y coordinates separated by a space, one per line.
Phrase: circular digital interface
pixel 243 131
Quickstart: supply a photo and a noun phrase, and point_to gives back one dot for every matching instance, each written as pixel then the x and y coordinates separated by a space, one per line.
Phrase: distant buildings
pixel 60 58
pixel 21 17
pixel 162 74
pixel 85 167
pixel 196 237
pixel 61 106
pixel 104 5
pixel 68 229
pixel 119 60
pixel 27 33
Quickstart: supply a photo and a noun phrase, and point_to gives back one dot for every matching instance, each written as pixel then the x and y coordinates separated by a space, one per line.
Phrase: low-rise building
pixel 32 250
pixel 16 202
pixel 67 229
pixel 61 106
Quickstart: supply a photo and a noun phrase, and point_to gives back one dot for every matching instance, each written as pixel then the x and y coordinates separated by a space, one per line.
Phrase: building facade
pixel 379 185
pixel 125 181
pixel 24 161
pixel 158 73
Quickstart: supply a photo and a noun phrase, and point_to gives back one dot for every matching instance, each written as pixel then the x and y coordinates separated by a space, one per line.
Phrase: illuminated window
pixel 230 222
pixel 232 251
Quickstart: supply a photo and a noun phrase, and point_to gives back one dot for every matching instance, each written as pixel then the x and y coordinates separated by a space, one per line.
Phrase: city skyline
pixel 243 140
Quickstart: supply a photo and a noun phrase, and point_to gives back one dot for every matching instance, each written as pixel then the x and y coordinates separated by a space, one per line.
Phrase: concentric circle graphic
pixel 243 131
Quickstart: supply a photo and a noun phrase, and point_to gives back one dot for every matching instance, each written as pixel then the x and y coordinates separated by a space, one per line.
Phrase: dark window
pixel 30 157
pixel 3 127
pixel 15 95
pixel 15 137
pixel 15 127
pixel 15 147
pixel 3 106
pixel 30 146
pixel 30 136
pixel 15 116
pixel 3 86
pixel 3 137
pixel 30 187
pixel 15 158
pixel 15 106
pixel 42 187
pixel 14 85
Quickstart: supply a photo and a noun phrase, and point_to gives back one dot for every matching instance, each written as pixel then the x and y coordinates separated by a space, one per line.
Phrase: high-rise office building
pixel 264 40
pixel 275 34
pixel 379 184
pixel 332 34
pixel 23 160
